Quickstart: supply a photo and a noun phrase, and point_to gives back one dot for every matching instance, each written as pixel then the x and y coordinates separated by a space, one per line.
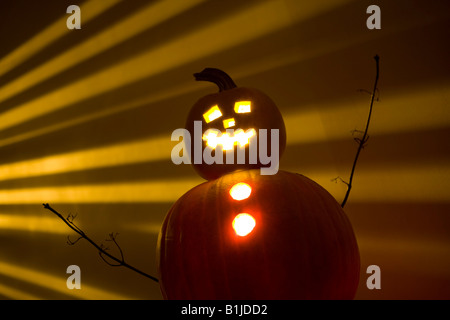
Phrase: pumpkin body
pixel 302 245
pixel 258 112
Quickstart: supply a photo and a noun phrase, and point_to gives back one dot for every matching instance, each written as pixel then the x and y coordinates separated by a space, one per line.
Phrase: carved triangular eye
pixel 212 114
pixel 242 107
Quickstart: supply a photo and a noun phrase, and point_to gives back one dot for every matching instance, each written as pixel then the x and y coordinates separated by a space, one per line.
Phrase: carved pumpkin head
pixel 231 122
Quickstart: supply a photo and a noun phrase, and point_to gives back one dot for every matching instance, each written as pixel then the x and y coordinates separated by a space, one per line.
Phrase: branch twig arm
pixel 101 249
pixel 365 136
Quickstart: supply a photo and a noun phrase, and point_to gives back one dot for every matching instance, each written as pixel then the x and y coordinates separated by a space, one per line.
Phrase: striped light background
pixel 86 118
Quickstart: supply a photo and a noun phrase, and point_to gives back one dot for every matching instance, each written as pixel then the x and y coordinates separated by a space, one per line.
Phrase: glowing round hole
pixel 240 191
pixel 243 224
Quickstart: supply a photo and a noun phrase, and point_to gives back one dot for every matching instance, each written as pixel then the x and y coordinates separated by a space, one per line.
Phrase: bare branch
pixel 360 140
pixel 365 136
pixel 340 179
pixel 70 218
pixel 370 93
pixel 107 262
pixel 100 248
pixel 112 237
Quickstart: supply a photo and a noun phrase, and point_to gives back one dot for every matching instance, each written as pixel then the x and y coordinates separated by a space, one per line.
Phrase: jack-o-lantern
pixel 231 121
pixel 245 235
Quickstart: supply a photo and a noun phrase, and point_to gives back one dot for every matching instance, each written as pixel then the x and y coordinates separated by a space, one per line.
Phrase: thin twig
pixel 364 139
pixel 101 249
pixel 73 242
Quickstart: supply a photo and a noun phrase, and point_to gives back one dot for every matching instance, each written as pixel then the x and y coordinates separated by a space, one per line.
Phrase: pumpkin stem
pixel 217 76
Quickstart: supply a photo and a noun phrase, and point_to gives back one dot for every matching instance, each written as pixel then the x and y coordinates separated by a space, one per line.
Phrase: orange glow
pixel 240 191
pixel 228 123
pixel 213 137
pixel 242 137
pixel 243 224
pixel 242 106
pixel 212 114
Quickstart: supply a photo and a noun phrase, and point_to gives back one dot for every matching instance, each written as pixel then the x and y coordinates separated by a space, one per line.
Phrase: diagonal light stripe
pixel 393 115
pixel 57 284
pixel 378 184
pixel 406 183
pixel 131 104
pixel 150 16
pixel 168 56
pixel 399 112
pixel 31 223
pixel 154 191
pixel 15 294
pixel 410 252
pixel 56 30
pixel 153 149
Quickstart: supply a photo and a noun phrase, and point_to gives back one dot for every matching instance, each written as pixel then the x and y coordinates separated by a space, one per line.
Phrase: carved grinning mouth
pixel 227 140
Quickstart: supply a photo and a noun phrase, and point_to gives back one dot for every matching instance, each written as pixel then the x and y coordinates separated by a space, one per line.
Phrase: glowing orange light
pixel 240 191
pixel 228 123
pixel 212 114
pixel 242 137
pixel 242 106
pixel 243 224
pixel 213 137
